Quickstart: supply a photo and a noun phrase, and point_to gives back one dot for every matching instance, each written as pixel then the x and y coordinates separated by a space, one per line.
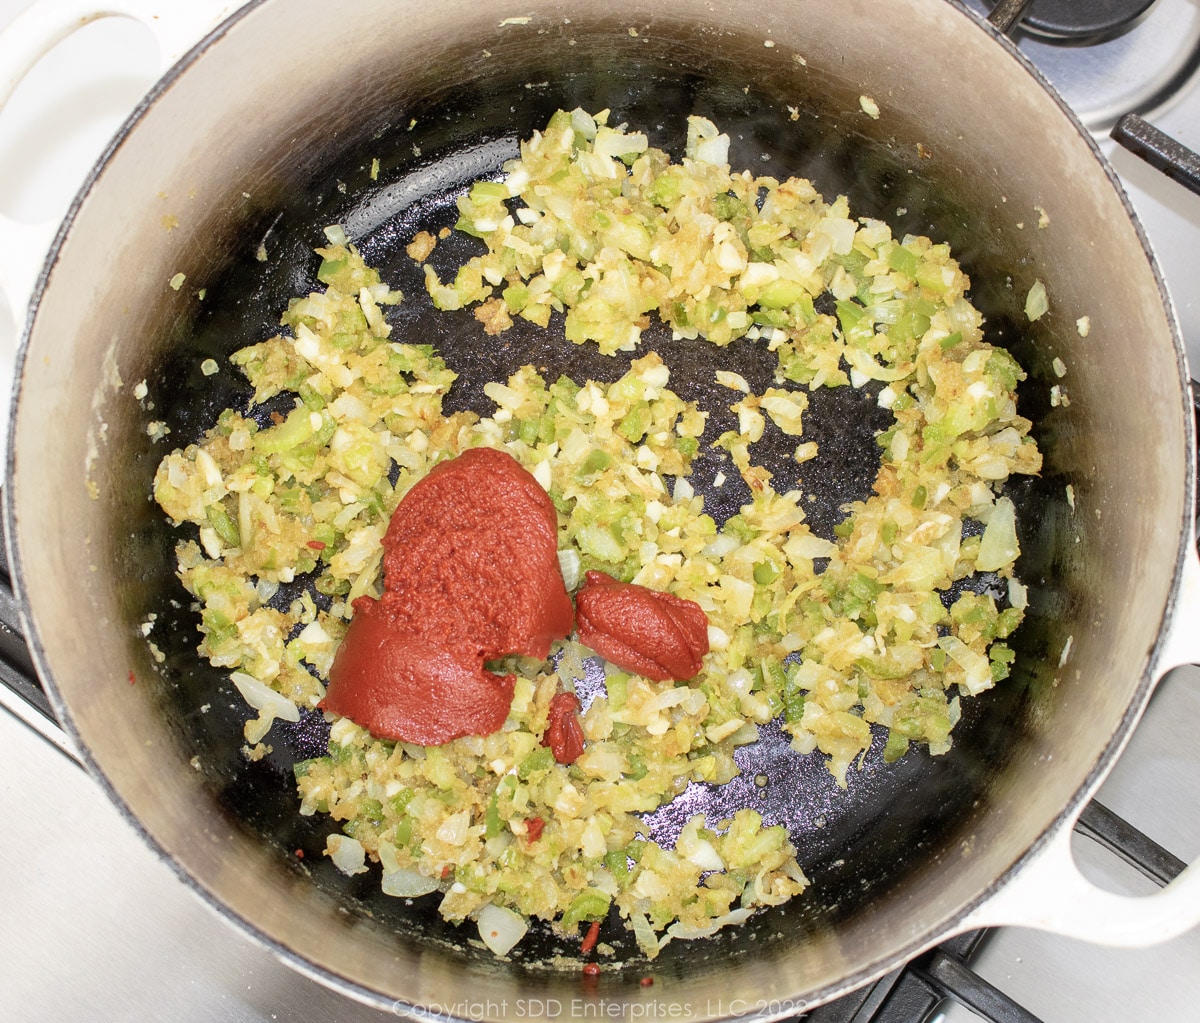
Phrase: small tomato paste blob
pixel 470 574
pixel 564 734
pixel 654 634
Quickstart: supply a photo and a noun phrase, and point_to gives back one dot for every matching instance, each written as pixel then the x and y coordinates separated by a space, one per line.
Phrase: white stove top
pixel 95 927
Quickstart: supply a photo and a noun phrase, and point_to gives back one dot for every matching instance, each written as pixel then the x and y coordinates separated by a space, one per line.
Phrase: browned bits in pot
pixel 421 247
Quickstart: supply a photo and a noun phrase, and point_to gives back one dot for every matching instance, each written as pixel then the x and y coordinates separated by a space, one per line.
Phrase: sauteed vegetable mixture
pixel 829 636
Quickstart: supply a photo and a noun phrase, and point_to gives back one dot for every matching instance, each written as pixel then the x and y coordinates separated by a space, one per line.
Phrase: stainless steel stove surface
pixel 95 927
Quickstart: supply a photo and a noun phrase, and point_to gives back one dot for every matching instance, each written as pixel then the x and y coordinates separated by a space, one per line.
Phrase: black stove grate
pixel 16 666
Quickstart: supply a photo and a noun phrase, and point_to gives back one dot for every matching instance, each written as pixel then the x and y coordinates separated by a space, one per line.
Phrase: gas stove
pixel 96 927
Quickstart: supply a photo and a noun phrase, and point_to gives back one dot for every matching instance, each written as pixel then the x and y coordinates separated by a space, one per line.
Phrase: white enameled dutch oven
pixel 243 143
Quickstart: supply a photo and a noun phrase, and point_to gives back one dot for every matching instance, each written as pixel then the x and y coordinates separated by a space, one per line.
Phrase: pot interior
pixel 270 134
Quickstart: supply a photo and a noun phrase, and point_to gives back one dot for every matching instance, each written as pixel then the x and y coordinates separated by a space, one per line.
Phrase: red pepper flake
pixel 132 678
pixel 590 939
pixel 299 854
pixel 647 982
pixel 591 969
pixel 447 870
pixel 316 545
pixel 533 828
pixel 564 734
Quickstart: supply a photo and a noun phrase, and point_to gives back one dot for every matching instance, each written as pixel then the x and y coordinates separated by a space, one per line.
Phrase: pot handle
pixel 1051 894
pixel 30 36
pixel 1181 642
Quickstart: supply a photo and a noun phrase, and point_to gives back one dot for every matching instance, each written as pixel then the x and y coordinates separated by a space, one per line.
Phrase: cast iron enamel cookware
pixel 266 132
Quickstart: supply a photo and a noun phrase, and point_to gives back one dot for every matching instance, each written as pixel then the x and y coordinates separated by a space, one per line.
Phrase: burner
pixel 1135 68
pixel 1091 22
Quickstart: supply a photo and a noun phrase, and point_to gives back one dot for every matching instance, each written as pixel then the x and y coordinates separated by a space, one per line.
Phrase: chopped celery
pixel 290 433
pixel 589 904
pixel 541 759
pixel 223 523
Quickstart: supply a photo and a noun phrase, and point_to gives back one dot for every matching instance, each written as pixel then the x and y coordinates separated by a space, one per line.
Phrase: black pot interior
pixel 430 143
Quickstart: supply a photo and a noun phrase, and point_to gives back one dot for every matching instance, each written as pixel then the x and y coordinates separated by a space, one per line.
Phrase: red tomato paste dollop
pixel 470 574
pixel 564 733
pixel 654 634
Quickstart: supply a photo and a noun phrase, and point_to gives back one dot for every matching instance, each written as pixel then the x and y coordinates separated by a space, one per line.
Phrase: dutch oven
pixel 264 133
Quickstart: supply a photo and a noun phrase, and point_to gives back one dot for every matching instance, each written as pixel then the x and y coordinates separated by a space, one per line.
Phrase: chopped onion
pixel 737 916
pixel 455 828
pixel 347 854
pixel 314 634
pixel 1066 651
pixel 704 855
pixel 571 566
pixel 998 546
pixel 584 123
pixel 734 381
pixel 667 698
pixel 570 664
pixel 740 681
pixel 405 883
pixel 786 408
pixel 1036 303
pixel 807 545
pixel 721 545
pixel 714 151
pixel 609 142
pixel 263 698
pixel 976 668
pixel 645 935
pixel 500 928
pixel 704 141
pixel 744 735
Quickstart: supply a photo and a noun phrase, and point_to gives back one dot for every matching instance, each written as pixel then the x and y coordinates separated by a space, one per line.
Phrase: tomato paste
pixel 564 734
pixel 470 574
pixel 471 557
pixel 654 634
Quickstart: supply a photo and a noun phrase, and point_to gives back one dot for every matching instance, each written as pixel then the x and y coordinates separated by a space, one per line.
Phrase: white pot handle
pixel 1051 894
pixel 177 26
pixel 1182 642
